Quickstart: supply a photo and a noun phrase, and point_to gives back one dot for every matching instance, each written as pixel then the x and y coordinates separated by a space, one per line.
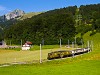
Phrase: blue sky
pixel 40 5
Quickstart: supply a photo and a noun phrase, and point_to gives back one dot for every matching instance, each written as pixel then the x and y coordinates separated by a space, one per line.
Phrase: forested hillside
pixel 4 24
pixel 47 27
pixel 63 23
pixel 1 34
pixel 90 17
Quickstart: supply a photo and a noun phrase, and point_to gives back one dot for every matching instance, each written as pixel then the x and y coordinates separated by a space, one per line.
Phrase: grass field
pixel 54 68
pixel 87 64
pixel 9 56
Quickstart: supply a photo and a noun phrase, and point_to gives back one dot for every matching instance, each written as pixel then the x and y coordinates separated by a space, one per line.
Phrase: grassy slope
pixel 95 54
pixel 87 64
pixel 29 15
pixel 96 41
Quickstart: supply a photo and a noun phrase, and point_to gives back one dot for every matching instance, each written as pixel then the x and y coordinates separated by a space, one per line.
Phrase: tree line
pixel 50 26
pixel 90 17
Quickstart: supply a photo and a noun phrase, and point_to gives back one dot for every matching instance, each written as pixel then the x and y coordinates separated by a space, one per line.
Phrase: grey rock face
pixel 12 15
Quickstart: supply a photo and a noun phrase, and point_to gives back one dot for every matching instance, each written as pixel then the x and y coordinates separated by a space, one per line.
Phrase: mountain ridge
pixel 11 15
pixel 14 14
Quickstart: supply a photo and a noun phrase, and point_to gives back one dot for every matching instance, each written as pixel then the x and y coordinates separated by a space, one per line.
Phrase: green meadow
pixel 85 64
pixel 58 67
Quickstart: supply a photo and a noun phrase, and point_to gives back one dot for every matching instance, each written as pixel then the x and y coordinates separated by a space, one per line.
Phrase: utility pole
pixel 42 41
pixel 60 43
pixel 88 46
pixel 91 45
pixel 75 42
pixel 72 44
pixel 40 54
pixel 78 19
pixel 21 42
pixel 82 43
pixel 10 42
pixel 68 43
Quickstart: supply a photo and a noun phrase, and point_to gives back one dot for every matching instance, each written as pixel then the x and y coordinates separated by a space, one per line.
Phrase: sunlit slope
pixel 95 54
pixel 95 38
pixel 29 15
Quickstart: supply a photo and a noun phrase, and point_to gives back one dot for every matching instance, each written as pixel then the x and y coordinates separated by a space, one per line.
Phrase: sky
pixel 40 5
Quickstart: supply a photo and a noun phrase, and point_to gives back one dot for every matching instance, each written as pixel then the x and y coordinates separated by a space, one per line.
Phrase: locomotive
pixel 67 53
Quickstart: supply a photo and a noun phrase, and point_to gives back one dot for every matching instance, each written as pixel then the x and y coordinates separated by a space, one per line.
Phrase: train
pixel 67 53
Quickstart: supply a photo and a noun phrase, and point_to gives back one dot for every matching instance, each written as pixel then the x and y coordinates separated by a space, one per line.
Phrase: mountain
pixel 12 15
pixel 18 14
pixel 46 27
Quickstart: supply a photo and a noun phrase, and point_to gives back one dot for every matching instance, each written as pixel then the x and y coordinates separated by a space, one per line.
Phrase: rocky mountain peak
pixel 14 14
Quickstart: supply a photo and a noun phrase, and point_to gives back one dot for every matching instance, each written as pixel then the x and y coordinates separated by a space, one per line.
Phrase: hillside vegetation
pixel 7 23
pixel 50 26
pixel 47 27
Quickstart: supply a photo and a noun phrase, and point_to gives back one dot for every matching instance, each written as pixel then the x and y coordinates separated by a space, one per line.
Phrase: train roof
pixel 60 51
